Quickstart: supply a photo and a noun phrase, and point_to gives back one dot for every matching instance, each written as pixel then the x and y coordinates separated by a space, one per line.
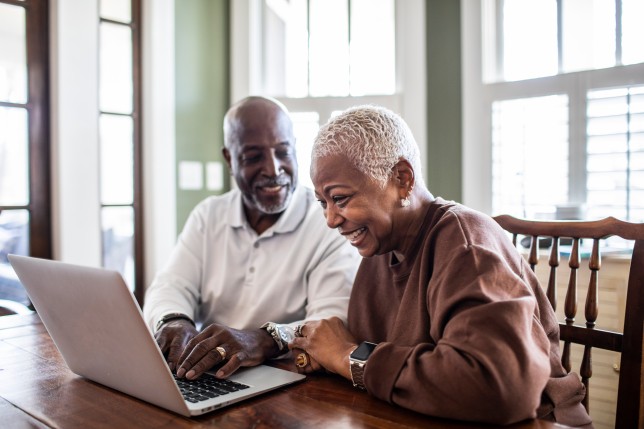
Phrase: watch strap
pixel 172 316
pixel 357 374
pixel 271 328
pixel 357 362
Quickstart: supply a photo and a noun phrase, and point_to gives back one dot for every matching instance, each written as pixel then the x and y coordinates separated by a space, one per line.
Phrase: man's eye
pixel 322 203
pixel 251 158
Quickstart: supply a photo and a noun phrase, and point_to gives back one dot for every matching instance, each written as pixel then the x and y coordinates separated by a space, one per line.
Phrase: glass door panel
pixel 118 238
pixel 116 90
pixel 116 10
pixel 119 118
pixel 14 239
pixel 14 157
pixel 13 54
pixel 117 159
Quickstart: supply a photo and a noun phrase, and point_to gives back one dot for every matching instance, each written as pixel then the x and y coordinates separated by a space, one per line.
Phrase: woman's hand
pixel 304 363
pixel 328 343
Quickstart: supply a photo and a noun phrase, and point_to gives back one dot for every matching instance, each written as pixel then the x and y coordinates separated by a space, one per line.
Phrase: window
pixel 615 153
pixel 25 210
pixel 317 51
pixel 323 48
pixel 319 57
pixel 561 86
pixel 119 137
pixel 530 154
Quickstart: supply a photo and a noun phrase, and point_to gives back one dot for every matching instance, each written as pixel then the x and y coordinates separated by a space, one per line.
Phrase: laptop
pixel 98 327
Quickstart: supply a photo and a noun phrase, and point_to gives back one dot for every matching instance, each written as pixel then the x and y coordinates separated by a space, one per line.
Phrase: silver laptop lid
pixel 98 328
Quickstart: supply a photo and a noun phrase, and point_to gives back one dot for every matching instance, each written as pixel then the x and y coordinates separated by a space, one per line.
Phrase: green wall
pixel 202 96
pixel 444 135
pixel 201 90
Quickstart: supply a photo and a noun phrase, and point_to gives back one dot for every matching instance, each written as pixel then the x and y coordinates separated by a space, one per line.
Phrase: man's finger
pixel 174 352
pixel 233 364
pixel 203 365
pixel 201 358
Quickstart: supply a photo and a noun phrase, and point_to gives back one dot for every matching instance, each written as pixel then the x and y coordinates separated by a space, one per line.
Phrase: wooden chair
pixel 630 400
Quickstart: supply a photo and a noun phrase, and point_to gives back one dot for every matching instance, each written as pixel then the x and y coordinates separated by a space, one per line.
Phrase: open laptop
pixel 98 327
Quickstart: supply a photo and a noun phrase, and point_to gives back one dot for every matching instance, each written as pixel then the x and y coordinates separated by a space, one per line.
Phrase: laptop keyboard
pixel 207 387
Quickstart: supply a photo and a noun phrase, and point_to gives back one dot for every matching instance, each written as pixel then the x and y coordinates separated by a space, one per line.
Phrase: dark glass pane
pixel 118 239
pixel 14 239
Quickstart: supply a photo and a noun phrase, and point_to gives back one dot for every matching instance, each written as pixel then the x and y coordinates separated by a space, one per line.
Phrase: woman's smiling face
pixel 358 207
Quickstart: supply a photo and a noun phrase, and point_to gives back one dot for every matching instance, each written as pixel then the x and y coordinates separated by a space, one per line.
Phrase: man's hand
pixel 172 339
pixel 240 348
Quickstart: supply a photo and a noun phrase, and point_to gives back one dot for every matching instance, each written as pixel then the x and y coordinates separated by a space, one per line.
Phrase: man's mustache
pixel 267 183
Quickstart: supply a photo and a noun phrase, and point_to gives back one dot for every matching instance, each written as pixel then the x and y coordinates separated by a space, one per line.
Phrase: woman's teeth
pixel 354 235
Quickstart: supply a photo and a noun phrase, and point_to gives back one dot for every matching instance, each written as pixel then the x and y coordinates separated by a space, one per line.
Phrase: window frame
pixel 137 138
pixel 38 112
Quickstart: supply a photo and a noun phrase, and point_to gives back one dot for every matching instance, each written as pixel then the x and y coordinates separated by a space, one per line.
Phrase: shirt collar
pixel 287 222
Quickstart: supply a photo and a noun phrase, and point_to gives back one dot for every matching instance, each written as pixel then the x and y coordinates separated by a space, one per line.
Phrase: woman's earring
pixel 405 201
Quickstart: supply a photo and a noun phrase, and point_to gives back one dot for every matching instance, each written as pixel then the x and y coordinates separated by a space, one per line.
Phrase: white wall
pixel 477 153
pixel 74 106
pixel 75 146
pixel 159 178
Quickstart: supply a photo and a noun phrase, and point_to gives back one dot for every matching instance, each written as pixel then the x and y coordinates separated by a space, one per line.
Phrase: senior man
pixel 251 261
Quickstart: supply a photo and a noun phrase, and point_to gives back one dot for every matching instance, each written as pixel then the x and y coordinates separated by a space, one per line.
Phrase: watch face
pixel 286 333
pixel 363 351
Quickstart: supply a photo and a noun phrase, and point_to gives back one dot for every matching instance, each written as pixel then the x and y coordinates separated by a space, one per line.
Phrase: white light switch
pixel 214 176
pixel 190 175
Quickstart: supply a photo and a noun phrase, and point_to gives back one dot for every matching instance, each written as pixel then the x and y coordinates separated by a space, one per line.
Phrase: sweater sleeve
pixel 488 361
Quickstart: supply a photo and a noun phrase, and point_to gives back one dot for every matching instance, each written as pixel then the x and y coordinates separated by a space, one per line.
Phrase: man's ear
pixel 226 153
pixel 405 177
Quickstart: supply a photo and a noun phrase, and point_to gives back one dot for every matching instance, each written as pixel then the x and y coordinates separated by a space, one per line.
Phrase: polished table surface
pixel 37 390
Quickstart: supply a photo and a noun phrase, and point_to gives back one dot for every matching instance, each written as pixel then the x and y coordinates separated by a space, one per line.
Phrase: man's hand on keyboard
pixel 172 339
pixel 219 343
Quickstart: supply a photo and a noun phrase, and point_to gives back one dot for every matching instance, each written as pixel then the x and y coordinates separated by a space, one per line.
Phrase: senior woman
pixel 445 316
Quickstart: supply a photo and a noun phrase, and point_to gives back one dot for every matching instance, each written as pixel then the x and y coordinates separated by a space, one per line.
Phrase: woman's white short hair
pixel 373 138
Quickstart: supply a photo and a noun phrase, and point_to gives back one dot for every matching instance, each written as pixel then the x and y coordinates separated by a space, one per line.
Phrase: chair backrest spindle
pixel 552 279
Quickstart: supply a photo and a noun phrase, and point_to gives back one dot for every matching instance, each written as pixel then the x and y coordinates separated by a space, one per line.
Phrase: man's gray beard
pixel 275 209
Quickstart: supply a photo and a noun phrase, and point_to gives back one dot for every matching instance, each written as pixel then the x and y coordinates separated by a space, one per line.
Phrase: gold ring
pixel 222 352
pixel 301 360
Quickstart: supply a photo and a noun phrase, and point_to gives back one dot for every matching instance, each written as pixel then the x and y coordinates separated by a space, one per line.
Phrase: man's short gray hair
pixel 373 138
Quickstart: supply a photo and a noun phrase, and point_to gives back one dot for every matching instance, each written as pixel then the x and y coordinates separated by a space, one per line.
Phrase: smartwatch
pixel 172 316
pixel 358 360
pixel 282 334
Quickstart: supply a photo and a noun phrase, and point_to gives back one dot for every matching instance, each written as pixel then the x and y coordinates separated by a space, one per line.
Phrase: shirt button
pixel 256 245
pixel 252 269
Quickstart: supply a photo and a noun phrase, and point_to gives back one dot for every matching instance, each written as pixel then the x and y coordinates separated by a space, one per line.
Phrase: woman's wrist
pixel 345 366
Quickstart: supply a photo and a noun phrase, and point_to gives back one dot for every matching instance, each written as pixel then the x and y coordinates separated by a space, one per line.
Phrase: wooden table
pixel 37 390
